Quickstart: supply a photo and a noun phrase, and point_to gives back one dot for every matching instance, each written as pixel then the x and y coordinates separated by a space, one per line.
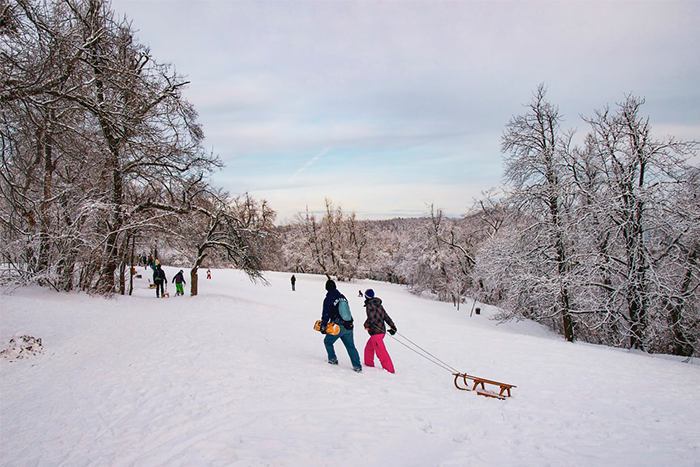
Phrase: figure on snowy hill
pixel 179 280
pixel 374 324
pixel 332 314
pixel 208 273
pixel 159 279
pixel 294 281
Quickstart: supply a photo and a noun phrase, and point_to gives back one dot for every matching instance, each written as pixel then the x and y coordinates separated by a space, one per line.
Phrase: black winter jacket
pixel 179 279
pixel 330 307
pixel 159 275
pixel 376 317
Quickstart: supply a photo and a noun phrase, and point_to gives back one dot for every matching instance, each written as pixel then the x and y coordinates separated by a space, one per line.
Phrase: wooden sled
pixel 166 294
pixel 480 388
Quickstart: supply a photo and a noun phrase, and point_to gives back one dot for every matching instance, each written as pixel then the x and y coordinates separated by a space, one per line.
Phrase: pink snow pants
pixel 375 344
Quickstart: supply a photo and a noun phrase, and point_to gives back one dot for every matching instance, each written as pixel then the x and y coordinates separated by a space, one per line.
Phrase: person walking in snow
pixel 374 324
pixel 179 280
pixel 332 315
pixel 159 279
pixel 208 273
pixel 294 281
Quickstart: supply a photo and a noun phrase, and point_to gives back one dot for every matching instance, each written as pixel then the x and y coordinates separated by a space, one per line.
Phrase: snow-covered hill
pixel 238 377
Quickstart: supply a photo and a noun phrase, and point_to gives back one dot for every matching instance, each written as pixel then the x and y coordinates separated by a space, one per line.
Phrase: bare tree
pixel 334 246
pixel 234 230
pixel 681 300
pixel 534 146
pixel 637 174
pixel 83 102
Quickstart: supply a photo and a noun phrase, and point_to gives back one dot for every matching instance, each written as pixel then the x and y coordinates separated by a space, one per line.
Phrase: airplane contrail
pixel 309 163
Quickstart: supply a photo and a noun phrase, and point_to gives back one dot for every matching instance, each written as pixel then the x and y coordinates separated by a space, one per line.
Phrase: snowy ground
pixel 238 377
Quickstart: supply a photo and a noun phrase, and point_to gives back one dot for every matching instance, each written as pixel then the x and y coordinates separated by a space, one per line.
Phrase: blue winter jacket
pixel 330 308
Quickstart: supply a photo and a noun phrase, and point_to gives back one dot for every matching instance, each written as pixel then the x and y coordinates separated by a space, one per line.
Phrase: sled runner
pixel 331 328
pixel 482 391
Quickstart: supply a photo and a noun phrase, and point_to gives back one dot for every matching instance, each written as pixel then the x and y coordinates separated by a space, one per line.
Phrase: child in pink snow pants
pixel 374 324
pixel 375 344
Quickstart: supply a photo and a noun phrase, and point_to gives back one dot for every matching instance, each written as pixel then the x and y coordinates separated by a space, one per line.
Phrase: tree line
pixel 102 156
pixel 599 241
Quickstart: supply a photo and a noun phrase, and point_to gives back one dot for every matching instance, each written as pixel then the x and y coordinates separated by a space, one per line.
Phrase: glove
pixel 392 331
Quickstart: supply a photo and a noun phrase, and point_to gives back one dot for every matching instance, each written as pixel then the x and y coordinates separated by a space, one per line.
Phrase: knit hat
pixel 330 285
pixel 369 293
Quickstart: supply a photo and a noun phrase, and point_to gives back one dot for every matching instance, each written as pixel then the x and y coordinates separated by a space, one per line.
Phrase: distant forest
pixel 102 162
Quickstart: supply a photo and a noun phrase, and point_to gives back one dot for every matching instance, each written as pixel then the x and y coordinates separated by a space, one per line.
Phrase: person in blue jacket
pixel 332 315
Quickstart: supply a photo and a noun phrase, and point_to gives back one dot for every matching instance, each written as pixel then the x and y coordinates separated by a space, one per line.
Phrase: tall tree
pixel 83 102
pixel 535 145
pixel 638 175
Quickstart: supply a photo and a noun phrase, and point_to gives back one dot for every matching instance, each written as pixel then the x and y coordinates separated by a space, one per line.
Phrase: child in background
pixel 179 280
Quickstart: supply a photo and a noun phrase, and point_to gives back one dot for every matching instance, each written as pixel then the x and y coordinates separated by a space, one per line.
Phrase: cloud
pixel 409 93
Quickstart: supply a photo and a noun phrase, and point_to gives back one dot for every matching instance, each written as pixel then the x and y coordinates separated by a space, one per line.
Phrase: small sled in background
pixel 331 328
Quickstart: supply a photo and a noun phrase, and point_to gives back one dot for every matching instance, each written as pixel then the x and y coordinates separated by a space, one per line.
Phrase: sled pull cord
pixel 479 383
pixel 423 353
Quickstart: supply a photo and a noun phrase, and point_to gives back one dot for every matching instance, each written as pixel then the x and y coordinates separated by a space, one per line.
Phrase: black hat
pixel 330 285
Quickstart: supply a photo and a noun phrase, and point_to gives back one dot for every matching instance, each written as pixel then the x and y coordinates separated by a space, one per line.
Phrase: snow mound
pixel 23 346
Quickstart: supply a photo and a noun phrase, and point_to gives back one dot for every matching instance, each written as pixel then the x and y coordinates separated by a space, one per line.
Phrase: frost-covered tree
pixel 333 246
pixel 607 229
pixel 96 135
pixel 441 258
pixel 535 145
pixel 233 230
pixel 681 251
pixel 633 211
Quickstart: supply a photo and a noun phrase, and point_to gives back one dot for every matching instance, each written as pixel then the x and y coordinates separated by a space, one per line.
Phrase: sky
pixel 389 107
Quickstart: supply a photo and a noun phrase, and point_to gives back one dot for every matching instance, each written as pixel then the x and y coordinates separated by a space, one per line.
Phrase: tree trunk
pixel 194 278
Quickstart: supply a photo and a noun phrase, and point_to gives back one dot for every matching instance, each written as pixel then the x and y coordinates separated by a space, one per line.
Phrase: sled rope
pixel 477 383
pixel 423 353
